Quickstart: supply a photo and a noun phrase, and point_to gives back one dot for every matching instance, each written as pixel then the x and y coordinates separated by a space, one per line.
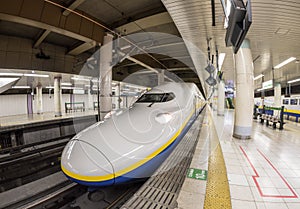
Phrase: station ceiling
pixel 274 34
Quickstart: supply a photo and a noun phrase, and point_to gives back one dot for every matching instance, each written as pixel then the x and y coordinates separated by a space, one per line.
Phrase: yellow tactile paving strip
pixel 217 187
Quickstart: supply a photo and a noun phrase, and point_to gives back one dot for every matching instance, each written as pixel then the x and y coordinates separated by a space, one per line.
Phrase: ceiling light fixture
pixel 71 88
pixel 66 84
pixel 11 74
pixel 221 60
pixel 294 81
pixel 5 81
pixel 80 79
pixel 258 77
pixel 36 75
pixel 20 87
pixel 285 62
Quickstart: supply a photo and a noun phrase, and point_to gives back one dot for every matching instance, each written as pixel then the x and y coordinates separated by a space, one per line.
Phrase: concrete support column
pixel 244 92
pixel 221 98
pixel 13 139
pixel 57 96
pixel 215 99
pixel 161 77
pixel 39 99
pixel 118 94
pixel 106 75
pixel 277 95
pixel 29 104
pixel 90 100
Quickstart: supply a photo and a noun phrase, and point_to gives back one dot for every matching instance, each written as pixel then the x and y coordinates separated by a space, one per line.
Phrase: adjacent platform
pixel 23 120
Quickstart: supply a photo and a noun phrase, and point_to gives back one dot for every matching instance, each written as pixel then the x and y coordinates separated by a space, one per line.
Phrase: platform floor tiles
pixel 34 118
pixel 264 171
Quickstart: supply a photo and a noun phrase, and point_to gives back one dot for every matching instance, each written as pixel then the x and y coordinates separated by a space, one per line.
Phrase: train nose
pixel 86 165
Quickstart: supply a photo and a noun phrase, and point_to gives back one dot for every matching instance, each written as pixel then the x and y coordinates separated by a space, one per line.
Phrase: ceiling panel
pixel 19 30
pixel 112 11
pixel 274 33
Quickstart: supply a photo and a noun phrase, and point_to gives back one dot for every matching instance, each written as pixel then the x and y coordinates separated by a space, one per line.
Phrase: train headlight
pixel 163 118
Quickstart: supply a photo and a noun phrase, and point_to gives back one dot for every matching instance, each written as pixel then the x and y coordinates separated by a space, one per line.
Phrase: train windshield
pixel 150 98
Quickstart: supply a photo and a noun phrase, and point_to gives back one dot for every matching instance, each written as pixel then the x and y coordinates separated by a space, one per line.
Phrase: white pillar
pixel 277 95
pixel 57 96
pixel 90 100
pixel 39 99
pixel 221 98
pixel 161 77
pixel 244 92
pixel 215 99
pixel 106 75
pixel 117 94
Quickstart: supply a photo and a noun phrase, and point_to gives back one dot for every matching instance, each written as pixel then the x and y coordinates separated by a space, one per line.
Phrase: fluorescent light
pixel 65 87
pixel 25 74
pixel 66 84
pixel 5 81
pixel 11 74
pixel 125 47
pixel 294 81
pixel 70 87
pixel 285 62
pixel 221 60
pixel 36 75
pixel 258 77
pixel 20 87
pixel 260 89
pixel 80 79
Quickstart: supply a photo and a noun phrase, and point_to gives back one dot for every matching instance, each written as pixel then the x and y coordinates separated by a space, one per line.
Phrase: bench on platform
pixel 268 114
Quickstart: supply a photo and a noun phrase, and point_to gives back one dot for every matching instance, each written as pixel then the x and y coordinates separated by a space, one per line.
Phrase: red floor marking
pixel 257 176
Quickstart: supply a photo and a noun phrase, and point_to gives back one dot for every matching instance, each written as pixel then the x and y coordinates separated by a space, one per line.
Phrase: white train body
pixel 132 143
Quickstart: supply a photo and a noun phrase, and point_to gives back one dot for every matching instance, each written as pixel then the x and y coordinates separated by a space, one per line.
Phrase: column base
pixel 241 132
pixel 241 137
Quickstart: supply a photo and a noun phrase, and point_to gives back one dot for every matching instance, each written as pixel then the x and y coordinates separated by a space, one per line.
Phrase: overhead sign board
pixel 267 84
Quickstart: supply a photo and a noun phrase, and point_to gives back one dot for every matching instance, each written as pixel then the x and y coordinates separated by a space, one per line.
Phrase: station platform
pixel 220 171
pixel 263 172
pixel 258 173
pixel 18 120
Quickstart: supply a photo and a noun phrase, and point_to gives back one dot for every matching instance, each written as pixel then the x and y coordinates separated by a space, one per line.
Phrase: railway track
pixel 27 166
pixel 67 195
pixel 54 197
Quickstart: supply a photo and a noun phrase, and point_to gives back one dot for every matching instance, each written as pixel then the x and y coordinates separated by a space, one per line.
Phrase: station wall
pixel 13 104
pixel 16 104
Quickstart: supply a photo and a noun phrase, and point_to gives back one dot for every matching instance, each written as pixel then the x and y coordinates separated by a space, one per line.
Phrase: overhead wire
pixel 108 29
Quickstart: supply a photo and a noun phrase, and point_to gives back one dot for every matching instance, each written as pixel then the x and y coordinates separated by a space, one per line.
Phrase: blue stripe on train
pixel 148 168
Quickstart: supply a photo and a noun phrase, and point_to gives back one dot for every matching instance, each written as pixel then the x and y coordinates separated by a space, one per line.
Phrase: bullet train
pixel 132 143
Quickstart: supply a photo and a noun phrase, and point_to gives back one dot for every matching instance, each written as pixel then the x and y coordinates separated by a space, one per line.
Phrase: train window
pixel 285 101
pixel 294 101
pixel 168 97
pixel 149 98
